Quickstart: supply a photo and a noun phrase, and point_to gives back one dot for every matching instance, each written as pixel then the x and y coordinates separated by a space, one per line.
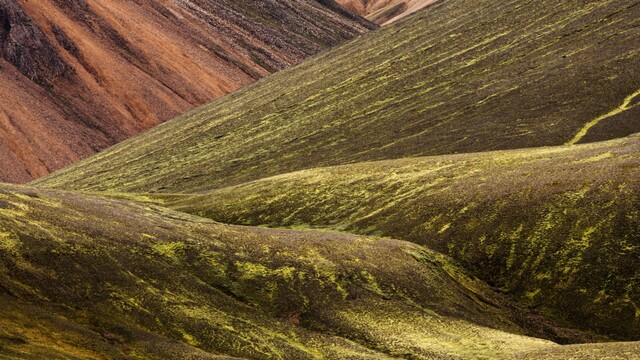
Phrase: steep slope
pixel 384 12
pixel 558 228
pixel 509 74
pixel 78 76
pixel 85 277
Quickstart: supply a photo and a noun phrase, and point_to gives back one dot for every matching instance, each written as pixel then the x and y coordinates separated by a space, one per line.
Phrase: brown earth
pixel 384 12
pixel 77 76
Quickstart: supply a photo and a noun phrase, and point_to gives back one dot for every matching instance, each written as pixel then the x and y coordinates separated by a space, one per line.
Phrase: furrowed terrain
pixel 558 228
pixel 384 12
pixel 510 74
pixel 493 138
pixel 80 75
pixel 87 277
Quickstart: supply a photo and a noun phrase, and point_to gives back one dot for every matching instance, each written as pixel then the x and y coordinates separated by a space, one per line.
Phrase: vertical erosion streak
pixel 626 105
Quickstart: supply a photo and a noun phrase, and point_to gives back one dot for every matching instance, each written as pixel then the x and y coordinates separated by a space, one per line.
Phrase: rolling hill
pixel 78 76
pixel 481 154
pixel 446 80
pixel 557 228
pixel 384 12
pixel 87 277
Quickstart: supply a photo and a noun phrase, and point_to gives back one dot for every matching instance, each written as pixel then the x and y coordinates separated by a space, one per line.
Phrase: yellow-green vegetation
pixel 145 267
pixel 628 104
pixel 458 76
pixel 88 277
pixel 405 333
pixel 557 227
pixel 609 351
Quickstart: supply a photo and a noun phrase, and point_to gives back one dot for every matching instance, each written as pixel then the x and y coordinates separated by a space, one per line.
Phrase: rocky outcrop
pixel 26 47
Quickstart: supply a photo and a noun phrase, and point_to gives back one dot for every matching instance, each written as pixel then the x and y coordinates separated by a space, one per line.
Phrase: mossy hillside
pixel 40 332
pixel 608 351
pixel 458 76
pixel 396 329
pixel 557 227
pixel 111 278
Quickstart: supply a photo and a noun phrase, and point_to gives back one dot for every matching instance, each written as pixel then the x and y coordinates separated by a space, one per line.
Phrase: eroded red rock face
pixel 79 75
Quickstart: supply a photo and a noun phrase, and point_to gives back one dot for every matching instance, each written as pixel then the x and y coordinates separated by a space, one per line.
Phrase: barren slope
pixel 384 12
pixel 558 228
pixel 512 74
pixel 80 75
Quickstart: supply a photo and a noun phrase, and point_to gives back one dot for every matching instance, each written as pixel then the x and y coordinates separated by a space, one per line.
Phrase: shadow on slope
pixel 85 276
pixel 557 227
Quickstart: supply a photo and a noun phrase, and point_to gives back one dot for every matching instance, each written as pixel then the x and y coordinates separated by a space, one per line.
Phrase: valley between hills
pixel 462 182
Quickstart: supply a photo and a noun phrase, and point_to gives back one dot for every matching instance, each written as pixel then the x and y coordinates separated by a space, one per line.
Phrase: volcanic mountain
pixel 441 90
pixel 461 184
pixel 80 75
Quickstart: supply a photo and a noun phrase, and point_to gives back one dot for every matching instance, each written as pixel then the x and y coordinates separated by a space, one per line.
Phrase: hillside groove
pixel 626 105
pixel 556 227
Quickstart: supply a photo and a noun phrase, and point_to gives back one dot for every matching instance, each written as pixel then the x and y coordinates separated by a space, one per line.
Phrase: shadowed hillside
pixel 78 76
pixel 509 74
pixel 559 227
pixel 84 277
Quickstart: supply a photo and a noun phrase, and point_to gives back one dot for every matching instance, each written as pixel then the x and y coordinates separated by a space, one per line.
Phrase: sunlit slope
pixel 459 76
pixel 557 227
pixel 84 277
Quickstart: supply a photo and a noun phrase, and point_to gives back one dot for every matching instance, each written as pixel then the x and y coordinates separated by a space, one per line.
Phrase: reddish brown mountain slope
pixel 79 75
pixel 384 11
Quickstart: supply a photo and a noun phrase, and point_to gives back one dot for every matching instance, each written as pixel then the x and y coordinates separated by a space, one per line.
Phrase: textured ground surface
pixel 556 227
pixel 87 277
pixel 79 75
pixel 384 12
pixel 511 74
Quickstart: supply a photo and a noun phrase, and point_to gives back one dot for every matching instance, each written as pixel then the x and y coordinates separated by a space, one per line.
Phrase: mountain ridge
pixel 384 12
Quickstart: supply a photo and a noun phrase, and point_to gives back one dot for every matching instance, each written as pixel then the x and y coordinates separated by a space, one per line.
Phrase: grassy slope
pixel 557 227
pixel 85 276
pixel 459 76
